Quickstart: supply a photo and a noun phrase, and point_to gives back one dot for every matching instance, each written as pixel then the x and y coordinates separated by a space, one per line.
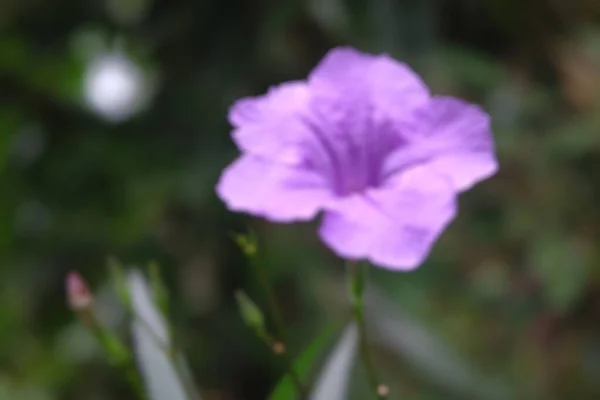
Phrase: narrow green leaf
pixel 117 273
pixel 159 289
pixel 334 378
pixel 117 353
pixel 285 389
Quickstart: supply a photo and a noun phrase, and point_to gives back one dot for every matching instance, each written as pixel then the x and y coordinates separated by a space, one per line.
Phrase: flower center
pixel 351 159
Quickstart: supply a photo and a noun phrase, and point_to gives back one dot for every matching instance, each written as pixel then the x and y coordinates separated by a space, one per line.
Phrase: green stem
pixel 279 325
pixel 117 353
pixel 133 377
pixel 357 280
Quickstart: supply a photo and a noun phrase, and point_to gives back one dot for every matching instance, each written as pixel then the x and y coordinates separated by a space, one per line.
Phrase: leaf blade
pixel 334 377
pixel 285 389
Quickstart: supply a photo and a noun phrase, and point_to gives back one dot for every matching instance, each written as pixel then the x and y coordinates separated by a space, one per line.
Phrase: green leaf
pixel 117 273
pixel 251 313
pixel 285 389
pixel 159 289
pixel 118 354
pixel 334 378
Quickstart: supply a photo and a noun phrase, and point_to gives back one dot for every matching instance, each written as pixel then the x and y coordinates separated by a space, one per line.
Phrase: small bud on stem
pixel 80 301
pixel 250 312
pixel 79 296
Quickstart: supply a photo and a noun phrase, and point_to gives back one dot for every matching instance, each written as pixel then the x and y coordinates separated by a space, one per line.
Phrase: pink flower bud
pixel 79 296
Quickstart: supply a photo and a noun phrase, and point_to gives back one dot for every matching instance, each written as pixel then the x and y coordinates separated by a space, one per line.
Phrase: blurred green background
pixel 506 307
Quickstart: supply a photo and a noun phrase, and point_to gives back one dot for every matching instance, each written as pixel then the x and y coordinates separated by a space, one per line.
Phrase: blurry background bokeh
pixel 113 133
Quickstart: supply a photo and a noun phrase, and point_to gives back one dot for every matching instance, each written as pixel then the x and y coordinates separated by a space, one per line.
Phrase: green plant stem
pixel 133 377
pixel 117 353
pixel 279 325
pixel 357 280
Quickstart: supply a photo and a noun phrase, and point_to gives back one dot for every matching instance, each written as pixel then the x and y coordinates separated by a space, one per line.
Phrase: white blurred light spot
pixel 113 86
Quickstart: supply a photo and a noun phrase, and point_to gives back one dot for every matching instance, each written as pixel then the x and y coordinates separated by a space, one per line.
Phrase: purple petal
pixel 279 102
pixel 390 87
pixel 270 125
pixel 394 226
pixel 353 98
pixel 274 191
pixel 452 138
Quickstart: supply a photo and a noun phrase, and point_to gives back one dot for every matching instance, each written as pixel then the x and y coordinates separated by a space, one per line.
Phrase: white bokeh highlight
pixel 114 86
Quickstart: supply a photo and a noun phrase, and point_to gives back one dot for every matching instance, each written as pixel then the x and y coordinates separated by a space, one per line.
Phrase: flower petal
pixel 451 137
pixel 394 226
pixel 354 96
pixel 270 125
pixel 279 102
pixel 274 191
pixel 390 86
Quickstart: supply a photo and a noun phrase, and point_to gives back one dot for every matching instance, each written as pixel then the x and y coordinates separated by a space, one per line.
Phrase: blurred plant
pixel 513 288
pixel 386 177
pixel 162 365
pixel 254 317
pixel 80 300
pixel 357 274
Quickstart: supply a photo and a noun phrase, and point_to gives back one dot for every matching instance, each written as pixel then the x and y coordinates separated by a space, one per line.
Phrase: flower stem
pixel 118 354
pixel 132 376
pixel 279 326
pixel 81 301
pixel 357 280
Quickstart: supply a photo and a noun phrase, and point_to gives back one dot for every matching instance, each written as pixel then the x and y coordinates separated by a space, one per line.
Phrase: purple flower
pixel 363 141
